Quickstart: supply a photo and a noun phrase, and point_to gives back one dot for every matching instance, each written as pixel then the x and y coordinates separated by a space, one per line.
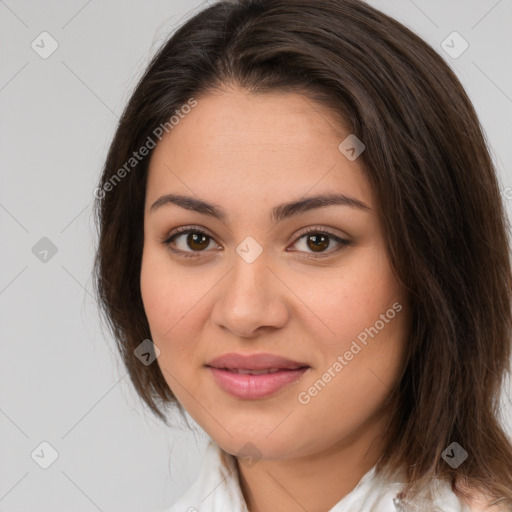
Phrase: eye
pixel 318 240
pixel 193 238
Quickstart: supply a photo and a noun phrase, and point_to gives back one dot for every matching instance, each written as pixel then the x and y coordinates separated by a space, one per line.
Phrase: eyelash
pixel 194 254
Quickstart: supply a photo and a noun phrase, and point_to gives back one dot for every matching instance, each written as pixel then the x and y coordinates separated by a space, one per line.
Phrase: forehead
pixel 256 145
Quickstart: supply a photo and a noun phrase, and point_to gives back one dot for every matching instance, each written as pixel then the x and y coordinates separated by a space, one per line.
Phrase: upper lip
pixel 234 361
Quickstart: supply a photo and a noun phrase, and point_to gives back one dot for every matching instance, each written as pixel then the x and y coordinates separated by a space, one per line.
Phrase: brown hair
pixel 434 185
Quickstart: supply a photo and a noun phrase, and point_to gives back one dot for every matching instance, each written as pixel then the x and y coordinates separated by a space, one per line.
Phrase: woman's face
pixel 252 281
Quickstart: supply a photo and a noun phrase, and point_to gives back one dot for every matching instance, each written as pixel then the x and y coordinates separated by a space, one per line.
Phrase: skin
pixel 248 153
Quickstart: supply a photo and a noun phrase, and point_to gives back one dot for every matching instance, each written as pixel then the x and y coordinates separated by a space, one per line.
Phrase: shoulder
pixel 442 495
pixel 479 502
pixel 482 505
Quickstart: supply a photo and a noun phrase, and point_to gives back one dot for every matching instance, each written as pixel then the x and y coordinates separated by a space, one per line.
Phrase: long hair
pixel 435 189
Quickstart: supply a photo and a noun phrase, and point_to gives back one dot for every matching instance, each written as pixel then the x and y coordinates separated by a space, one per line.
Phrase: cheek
pixel 164 295
pixel 155 297
pixel 352 302
pixel 174 305
pixel 166 303
pixel 366 312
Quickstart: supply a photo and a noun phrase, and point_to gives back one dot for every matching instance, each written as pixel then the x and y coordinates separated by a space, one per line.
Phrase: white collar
pixel 217 489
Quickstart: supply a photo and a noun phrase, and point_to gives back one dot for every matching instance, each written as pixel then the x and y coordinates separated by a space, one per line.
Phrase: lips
pixel 255 362
pixel 255 376
pixel 252 372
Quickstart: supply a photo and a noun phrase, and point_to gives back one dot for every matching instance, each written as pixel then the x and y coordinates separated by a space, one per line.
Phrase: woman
pixel 299 219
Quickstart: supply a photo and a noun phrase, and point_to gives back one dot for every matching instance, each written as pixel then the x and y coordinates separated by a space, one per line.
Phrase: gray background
pixel 61 380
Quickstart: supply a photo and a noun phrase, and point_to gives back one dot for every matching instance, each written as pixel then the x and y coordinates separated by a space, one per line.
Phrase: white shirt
pixel 217 489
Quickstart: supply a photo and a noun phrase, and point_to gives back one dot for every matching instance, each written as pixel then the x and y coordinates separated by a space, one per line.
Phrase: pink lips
pixel 272 374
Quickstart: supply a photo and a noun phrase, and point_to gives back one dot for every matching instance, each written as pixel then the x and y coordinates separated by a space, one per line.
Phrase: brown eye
pixel 197 241
pixel 318 242
pixel 188 242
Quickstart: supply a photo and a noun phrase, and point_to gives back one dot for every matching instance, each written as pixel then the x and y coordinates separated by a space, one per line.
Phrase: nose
pixel 251 300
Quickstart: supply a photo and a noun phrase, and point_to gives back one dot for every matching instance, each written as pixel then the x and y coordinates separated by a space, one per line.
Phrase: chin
pixel 256 445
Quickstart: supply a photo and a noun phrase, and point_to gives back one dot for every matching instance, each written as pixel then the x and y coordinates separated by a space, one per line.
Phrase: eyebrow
pixel 277 214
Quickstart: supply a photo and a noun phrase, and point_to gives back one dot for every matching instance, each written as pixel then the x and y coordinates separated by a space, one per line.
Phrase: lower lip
pixel 252 387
